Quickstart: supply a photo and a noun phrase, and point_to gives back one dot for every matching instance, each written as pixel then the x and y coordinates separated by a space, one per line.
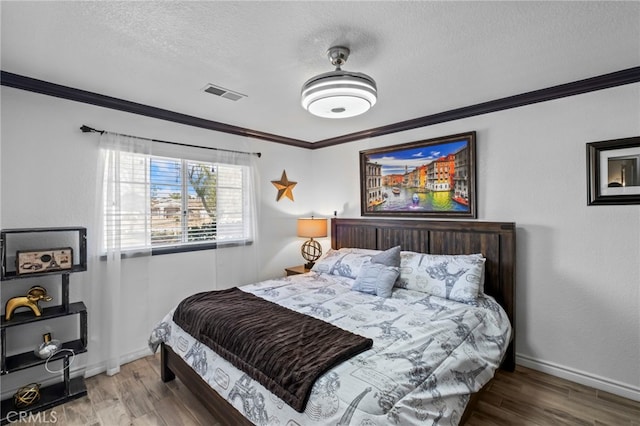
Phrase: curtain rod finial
pixel 87 129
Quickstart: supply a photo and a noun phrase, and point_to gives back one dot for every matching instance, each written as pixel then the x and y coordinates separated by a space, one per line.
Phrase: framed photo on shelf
pixel 613 172
pixel 428 178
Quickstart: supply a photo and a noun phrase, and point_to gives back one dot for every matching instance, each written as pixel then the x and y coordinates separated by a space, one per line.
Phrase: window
pixel 173 204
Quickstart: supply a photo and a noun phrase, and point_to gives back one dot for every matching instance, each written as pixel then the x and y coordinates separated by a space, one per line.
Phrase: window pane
pixel 126 204
pixel 166 201
pixel 201 208
pixel 230 203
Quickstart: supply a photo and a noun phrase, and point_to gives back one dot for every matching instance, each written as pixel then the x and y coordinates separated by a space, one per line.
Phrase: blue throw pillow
pixel 376 278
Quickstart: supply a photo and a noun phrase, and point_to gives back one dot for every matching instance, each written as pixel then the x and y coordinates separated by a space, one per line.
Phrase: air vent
pixel 223 93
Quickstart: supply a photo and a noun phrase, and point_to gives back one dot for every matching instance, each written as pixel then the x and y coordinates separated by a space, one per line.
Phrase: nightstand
pixel 295 270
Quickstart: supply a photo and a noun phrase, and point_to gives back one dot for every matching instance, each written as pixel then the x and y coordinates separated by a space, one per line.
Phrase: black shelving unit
pixel 68 389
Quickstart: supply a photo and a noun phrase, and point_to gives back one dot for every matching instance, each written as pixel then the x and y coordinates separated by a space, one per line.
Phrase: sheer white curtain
pixel 123 215
pixel 238 265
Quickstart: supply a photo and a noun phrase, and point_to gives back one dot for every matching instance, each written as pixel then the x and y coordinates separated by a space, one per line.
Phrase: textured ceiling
pixel 426 57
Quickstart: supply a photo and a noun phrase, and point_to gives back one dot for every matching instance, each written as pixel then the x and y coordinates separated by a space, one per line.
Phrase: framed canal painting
pixel 429 178
pixel 613 172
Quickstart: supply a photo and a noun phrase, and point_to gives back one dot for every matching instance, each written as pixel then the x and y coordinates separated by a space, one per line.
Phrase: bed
pixel 413 374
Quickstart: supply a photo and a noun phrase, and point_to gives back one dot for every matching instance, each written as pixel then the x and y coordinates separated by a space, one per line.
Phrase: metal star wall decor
pixel 284 186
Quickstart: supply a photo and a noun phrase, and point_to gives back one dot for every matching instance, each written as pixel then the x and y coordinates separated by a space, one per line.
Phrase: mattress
pixel 429 354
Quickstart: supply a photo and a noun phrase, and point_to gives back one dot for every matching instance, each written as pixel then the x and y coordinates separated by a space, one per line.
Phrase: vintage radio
pixel 55 259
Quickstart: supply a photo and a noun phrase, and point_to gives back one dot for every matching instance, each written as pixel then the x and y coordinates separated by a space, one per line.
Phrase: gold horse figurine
pixel 35 294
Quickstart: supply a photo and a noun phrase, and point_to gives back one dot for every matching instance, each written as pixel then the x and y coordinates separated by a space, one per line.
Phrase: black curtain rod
pixel 87 129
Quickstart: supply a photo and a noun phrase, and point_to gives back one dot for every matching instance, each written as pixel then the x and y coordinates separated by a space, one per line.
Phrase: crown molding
pixel 605 81
pixel 65 92
pixel 618 78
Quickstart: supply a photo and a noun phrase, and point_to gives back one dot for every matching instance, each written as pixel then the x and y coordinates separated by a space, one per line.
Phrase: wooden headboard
pixel 495 240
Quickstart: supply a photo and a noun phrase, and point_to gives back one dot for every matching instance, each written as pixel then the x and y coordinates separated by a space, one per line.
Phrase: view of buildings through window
pixel 184 199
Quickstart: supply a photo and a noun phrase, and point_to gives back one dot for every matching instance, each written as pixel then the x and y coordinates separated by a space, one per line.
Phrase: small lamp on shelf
pixel 311 228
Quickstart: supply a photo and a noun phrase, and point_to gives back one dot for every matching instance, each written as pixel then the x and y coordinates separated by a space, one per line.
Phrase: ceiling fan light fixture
pixel 339 94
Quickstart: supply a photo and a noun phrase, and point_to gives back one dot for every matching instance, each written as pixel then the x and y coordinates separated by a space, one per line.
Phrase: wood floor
pixel 137 396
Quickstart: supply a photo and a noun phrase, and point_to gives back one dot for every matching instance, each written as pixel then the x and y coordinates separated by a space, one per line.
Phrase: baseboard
pixel 617 388
pixel 99 368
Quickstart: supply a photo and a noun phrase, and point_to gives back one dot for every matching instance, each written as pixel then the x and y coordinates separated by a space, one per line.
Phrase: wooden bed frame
pixel 495 240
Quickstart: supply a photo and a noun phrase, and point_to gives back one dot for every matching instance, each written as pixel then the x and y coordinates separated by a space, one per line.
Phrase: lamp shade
pixel 312 228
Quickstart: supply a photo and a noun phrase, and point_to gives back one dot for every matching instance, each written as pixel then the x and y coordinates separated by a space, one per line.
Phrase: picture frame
pixel 427 178
pixel 613 172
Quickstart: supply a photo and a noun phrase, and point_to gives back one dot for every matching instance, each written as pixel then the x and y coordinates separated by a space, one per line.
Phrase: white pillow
pixel 345 262
pixel 453 277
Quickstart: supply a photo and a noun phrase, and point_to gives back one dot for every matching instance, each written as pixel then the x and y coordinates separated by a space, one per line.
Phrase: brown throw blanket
pixel 284 350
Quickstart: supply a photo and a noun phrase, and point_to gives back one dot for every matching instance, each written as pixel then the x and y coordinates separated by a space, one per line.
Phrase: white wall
pixel 578 271
pixel 578 266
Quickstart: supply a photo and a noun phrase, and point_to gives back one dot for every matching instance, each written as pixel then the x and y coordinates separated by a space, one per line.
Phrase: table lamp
pixel 311 228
